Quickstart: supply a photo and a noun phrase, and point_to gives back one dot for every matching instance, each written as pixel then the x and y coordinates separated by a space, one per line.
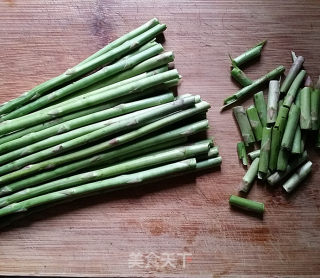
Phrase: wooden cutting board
pixel 182 227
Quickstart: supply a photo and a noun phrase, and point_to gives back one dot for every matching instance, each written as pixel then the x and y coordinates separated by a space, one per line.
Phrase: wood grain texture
pixel 94 237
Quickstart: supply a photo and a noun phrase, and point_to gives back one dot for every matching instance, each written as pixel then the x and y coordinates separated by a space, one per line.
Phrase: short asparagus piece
pixel 282 118
pixel 296 146
pixel 104 146
pixel 315 106
pixel 250 176
pixel 297 177
pixel 295 68
pixel 275 148
pixel 249 55
pixel 118 182
pixel 273 100
pixel 207 164
pixel 242 153
pixel 305 99
pixel 246 204
pixel 50 113
pixel 294 88
pixel 238 75
pixel 77 123
pixel 80 70
pixel 167 139
pixel 277 177
pixel 274 74
pixel 254 154
pixel 133 165
pixel 244 125
pixel 291 127
pixel 255 122
pixel 282 160
pixel 67 141
pixel 261 107
pixel 265 152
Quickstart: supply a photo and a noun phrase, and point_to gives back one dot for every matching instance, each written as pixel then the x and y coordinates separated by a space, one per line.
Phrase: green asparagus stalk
pixel 249 55
pixel 265 152
pixel 207 164
pixel 250 176
pixel 97 187
pixel 213 152
pixel 133 165
pixel 238 75
pixel 298 99
pixel 280 104
pixel 283 158
pixel 275 148
pixel 77 123
pixel 158 142
pixel 242 153
pixel 104 146
pixel 292 74
pixel 80 70
pixel 65 142
pixel 84 82
pixel 305 98
pixel 244 125
pixel 274 74
pixel 48 113
pixel 315 106
pixel 246 204
pixel 296 146
pixel 273 100
pixel 86 111
pixel 281 121
pixel 136 32
pixel 255 122
pixel 261 107
pixel 279 176
pixel 291 127
pixel 254 154
pixel 297 177
pixel 294 88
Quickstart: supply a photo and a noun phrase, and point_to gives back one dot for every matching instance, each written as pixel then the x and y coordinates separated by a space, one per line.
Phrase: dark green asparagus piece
pixel 294 88
pixel 246 204
pixel 255 122
pixel 305 99
pixel 265 152
pixel 315 106
pixel 261 107
pixel 242 153
pixel 238 75
pixel 291 127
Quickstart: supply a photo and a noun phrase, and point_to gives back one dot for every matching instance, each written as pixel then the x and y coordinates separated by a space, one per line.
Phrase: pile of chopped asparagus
pixel 280 125
pixel 108 123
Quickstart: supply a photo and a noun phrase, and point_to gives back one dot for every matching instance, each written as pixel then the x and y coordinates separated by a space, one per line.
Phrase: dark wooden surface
pixel 97 236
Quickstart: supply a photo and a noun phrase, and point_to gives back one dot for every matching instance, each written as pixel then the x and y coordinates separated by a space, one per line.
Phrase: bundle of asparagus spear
pixel 280 125
pixel 108 123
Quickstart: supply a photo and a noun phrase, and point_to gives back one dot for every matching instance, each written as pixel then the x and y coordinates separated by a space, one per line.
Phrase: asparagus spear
pixel 261 107
pixel 305 98
pixel 248 55
pixel 118 182
pixel 133 165
pixel 295 68
pixel 254 154
pixel 296 146
pixel 80 70
pixel 250 176
pixel 274 74
pixel 104 146
pixel 87 111
pixel 91 133
pixel 238 75
pixel 275 148
pixel 84 82
pixel 281 121
pixel 244 125
pixel 242 153
pixel 49 113
pixel 167 139
pixel 278 176
pixel 147 65
pixel 243 203
pixel 78 123
pixel 283 158
pixel 265 152
pixel 136 32
pixel 255 122
pixel 298 177
pixel 292 124
pixel 207 164
pixel 315 106
pixel 294 88
pixel 273 99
